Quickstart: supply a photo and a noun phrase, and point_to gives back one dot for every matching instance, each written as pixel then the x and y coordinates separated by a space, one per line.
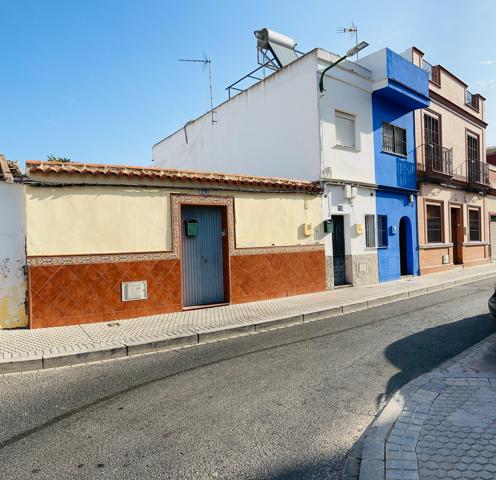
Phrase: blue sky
pixel 99 80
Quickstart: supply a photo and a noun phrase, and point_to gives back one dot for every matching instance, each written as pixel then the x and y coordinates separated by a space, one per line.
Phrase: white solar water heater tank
pixel 265 35
pixel 282 46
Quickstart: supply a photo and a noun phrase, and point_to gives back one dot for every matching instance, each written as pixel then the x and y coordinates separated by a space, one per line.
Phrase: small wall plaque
pixel 134 291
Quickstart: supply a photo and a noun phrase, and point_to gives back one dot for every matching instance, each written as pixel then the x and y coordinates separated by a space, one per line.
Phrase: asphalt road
pixel 286 404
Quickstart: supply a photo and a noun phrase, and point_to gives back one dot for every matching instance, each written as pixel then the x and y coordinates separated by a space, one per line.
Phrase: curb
pixel 386 449
pixel 100 352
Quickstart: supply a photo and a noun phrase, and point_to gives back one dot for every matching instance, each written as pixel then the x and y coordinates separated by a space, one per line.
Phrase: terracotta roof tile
pixel 87 169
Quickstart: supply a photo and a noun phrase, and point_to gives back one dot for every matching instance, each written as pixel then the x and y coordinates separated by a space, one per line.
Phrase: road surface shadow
pixel 424 351
pixel 325 468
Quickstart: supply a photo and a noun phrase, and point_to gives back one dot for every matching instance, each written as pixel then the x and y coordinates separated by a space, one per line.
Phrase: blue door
pixel 203 279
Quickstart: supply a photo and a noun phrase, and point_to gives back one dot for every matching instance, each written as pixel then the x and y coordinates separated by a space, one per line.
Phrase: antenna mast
pixel 353 30
pixel 208 62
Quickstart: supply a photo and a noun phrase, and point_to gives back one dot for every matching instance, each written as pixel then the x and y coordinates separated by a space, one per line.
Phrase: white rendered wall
pixel 354 212
pixel 349 93
pixel 12 256
pixel 271 129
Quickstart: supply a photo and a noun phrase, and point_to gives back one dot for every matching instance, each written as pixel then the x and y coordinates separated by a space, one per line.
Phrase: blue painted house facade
pixel 400 88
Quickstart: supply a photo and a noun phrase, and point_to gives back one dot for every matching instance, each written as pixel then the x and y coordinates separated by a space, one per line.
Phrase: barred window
pixel 382 231
pixel 474 225
pixel 434 224
pixel 393 139
pixel 370 230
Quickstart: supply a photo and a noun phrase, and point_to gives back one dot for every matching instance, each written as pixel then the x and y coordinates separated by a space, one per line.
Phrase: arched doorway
pixel 406 260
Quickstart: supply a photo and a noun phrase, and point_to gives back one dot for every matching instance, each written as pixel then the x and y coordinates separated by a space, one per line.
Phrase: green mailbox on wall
pixel 191 227
pixel 328 226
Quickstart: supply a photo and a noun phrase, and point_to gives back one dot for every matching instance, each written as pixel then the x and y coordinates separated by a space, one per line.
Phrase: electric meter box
pixel 191 226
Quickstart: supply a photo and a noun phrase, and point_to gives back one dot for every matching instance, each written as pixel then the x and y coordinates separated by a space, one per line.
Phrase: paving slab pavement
pixel 22 350
pixel 441 425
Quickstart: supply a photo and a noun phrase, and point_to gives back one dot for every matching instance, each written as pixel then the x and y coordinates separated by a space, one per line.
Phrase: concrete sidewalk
pixel 442 425
pixel 22 350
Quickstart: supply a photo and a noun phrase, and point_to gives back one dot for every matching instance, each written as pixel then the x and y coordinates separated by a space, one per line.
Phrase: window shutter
pixel 345 130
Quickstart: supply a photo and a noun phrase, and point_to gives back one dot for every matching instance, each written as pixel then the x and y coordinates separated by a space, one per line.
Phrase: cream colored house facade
pixel 453 176
pixel 490 202
pixel 100 228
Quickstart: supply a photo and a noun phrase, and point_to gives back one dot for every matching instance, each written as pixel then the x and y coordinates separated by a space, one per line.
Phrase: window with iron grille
pixel 382 238
pixel 370 230
pixel 474 225
pixel 434 224
pixel 393 139
pixel 472 147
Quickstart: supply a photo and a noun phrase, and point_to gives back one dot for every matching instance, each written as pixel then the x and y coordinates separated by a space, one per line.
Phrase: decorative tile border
pixel 178 200
pixel 91 259
pixel 174 254
pixel 269 250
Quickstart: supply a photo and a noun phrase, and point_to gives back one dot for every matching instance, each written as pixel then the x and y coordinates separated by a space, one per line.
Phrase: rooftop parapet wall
pixel 398 79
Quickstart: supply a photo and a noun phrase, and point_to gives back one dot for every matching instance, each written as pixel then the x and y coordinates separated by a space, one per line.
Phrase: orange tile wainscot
pixel 72 294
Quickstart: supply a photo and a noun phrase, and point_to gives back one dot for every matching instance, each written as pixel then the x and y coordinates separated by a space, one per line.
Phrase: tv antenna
pixel 206 62
pixel 352 30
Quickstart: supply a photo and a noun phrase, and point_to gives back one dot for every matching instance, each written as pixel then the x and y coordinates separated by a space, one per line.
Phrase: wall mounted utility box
pixel 191 227
pixel 358 228
pixel 134 291
pixel 328 226
pixel 445 259
pixel 307 229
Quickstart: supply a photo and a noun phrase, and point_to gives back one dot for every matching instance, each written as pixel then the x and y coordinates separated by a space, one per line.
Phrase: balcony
pixel 436 162
pixel 478 173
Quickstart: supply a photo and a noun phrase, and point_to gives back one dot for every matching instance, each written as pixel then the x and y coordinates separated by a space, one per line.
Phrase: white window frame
pixel 349 117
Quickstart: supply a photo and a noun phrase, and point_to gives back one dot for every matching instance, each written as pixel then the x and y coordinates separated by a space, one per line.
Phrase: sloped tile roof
pixel 171 175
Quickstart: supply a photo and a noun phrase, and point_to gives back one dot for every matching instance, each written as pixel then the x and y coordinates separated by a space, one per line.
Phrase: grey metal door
pixel 203 279
pixel 338 250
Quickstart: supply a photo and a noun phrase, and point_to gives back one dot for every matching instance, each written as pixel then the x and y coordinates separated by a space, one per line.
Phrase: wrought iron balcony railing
pixel 478 172
pixel 437 160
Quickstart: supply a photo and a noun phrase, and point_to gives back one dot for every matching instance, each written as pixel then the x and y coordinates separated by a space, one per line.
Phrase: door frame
pixel 460 232
pixel 227 225
pixel 489 215
pixel 346 281
pixel 408 240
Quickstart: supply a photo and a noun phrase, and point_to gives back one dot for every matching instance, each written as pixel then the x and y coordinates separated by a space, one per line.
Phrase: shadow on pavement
pixel 328 468
pixel 423 351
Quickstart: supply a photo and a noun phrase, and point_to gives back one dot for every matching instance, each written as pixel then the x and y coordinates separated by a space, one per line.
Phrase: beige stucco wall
pixel 449 197
pixel 267 219
pixel 115 219
pixel 453 136
pixel 454 91
pixel 101 219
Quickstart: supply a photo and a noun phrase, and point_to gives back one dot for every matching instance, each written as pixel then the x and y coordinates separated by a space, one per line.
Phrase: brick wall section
pixel 265 276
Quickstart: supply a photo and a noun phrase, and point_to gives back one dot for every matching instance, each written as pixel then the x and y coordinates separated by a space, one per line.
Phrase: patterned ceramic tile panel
pixel 260 277
pixel 74 294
